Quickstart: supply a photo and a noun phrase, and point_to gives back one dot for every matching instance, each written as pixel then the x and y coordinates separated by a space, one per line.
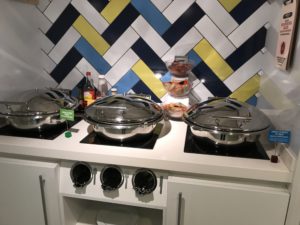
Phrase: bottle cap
pixel 88 73
pixel 68 134
pixel 101 76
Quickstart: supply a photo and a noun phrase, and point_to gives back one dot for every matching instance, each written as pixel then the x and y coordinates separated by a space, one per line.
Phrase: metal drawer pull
pixel 179 208
pixel 42 183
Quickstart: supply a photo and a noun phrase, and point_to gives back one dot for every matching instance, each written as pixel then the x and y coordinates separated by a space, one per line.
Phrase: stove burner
pixel 147 142
pixel 197 145
pixel 47 134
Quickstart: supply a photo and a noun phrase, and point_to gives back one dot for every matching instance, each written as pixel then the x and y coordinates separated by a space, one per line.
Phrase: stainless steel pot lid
pixel 38 102
pixel 226 115
pixel 131 109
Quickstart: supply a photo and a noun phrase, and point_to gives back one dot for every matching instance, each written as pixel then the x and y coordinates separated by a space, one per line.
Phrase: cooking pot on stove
pixel 36 109
pixel 124 118
pixel 226 121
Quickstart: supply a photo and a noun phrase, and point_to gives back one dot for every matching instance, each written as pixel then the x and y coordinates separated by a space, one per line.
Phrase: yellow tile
pixel 248 89
pixel 91 35
pixel 113 9
pixel 148 77
pixel 229 5
pixel 213 59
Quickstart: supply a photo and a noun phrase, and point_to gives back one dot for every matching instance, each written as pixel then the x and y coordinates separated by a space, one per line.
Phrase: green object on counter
pixel 68 134
pixel 67 114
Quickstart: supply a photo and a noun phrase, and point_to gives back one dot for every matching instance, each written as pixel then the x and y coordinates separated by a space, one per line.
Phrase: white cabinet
pixel 28 193
pixel 206 202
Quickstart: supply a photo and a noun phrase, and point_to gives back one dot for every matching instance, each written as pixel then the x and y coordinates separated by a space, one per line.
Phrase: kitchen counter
pixel 168 154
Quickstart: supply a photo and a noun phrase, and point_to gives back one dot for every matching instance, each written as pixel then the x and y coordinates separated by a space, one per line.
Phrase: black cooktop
pixel 47 134
pixel 147 142
pixel 196 145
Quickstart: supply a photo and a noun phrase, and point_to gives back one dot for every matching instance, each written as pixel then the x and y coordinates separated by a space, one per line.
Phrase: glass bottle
pixel 89 94
pixel 102 87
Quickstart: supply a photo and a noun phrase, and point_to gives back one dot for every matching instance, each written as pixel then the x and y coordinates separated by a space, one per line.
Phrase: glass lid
pixel 38 102
pixel 117 109
pixel 226 114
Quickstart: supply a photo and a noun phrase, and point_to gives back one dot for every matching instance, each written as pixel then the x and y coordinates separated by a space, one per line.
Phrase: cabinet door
pixel 217 203
pixel 28 193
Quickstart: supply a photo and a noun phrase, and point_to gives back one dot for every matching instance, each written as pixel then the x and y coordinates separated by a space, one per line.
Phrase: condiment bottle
pixel 102 87
pixel 89 93
pixel 114 91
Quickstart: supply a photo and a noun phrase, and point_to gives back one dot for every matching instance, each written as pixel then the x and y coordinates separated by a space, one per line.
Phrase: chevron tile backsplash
pixel 129 40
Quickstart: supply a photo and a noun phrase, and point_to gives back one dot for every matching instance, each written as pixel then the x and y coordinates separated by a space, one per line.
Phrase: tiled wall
pixel 129 41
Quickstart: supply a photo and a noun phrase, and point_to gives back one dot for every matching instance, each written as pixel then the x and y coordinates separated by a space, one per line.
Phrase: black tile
pixel 120 24
pixel 183 24
pixel 145 52
pixel 244 9
pixel 62 24
pixel 142 88
pixel 99 5
pixel 248 49
pixel 66 65
pixel 212 82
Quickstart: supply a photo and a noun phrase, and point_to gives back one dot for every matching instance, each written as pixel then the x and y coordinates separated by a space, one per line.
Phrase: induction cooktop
pixel 47 134
pixel 147 142
pixel 197 145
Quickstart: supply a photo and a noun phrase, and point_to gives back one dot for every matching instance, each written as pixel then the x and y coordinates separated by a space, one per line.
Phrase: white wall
pixel 20 67
pixel 280 91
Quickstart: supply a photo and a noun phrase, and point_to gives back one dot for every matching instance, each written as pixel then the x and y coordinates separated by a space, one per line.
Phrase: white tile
pixel 47 63
pixel 45 44
pixel 176 9
pixel 83 66
pixel 219 15
pixel 71 80
pixel 215 37
pixel 121 67
pixel 150 36
pixel 43 22
pixel 184 45
pixel 91 15
pixel 125 41
pixel 245 72
pixel 43 4
pixel 252 24
pixel 161 4
pixel 201 92
pixel 64 45
pixel 55 9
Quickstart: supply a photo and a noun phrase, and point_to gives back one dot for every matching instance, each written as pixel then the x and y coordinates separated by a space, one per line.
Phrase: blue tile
pixel 66 65
pixel 183 24
pixel 142 88
pixel 167 77
pixel 120 24
pixel 99 5
pixel 152 15
pixel 212 82
pixel 145 53
pixel 129 80
pixel 192 55
pixel 62 24
pixel 252 100
pixel 245 9
pixel 248 49
pixel 92 56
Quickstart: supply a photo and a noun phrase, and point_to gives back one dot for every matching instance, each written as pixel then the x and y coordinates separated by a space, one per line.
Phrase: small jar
pixel 114 91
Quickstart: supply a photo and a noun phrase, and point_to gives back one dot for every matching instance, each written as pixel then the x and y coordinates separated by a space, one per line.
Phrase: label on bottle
pixel 89 96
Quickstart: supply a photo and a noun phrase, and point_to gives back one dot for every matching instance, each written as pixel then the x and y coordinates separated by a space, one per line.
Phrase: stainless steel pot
pixel 37 109
pixel 226 121
pixel 124 118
